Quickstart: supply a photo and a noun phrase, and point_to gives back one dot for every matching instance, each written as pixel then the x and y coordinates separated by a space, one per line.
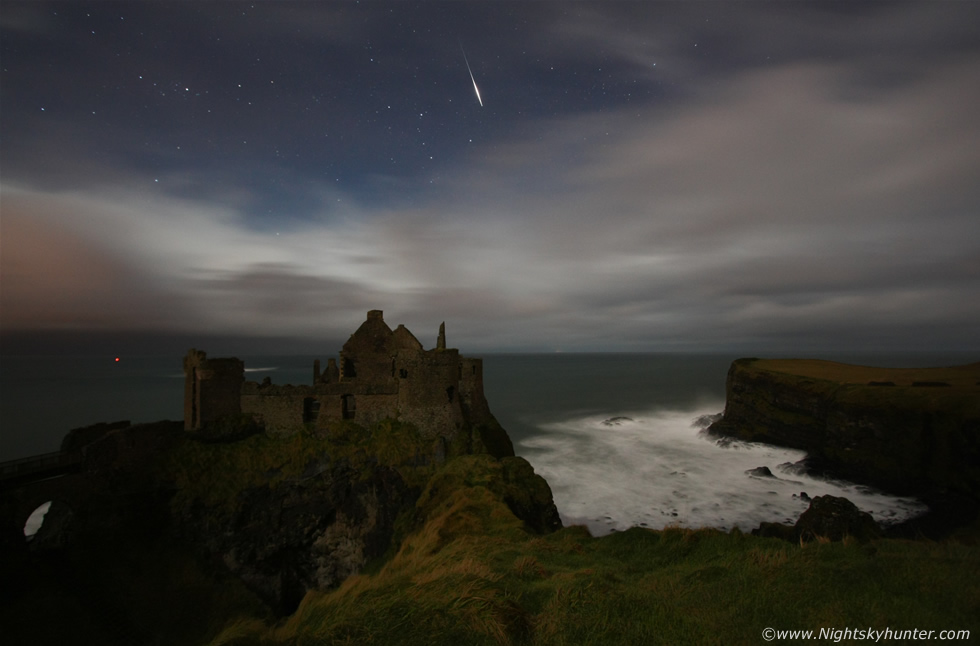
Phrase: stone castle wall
pixel 281 409
pixel 380 374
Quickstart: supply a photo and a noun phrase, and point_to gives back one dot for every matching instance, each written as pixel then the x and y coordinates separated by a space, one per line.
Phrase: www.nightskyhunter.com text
pixel 865 634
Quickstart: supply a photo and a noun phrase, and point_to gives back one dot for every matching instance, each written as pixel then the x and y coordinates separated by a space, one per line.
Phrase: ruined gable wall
pixel 367 355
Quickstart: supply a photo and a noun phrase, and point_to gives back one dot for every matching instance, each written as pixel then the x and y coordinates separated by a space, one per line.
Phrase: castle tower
pixel 212 388
pixel 441 341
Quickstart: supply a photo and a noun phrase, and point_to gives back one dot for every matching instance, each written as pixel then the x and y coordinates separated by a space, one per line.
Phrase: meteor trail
pixel 475 88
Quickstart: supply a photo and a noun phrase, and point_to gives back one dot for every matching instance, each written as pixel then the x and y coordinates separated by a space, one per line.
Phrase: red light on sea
pixel 117 359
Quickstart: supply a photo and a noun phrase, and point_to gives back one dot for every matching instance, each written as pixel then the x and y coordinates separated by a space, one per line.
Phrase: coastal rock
pixel 704 421
pixel 833 518
pixel 760 472
pixel 330 506
pixel 529 496
pixel 827 518
pixel 285 538
pixel 776 530
pixel 616 421
pixel 906 439
pixel 78 438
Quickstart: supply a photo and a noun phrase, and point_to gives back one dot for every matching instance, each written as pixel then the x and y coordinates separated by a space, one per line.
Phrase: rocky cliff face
pixel 284 515
pixel 904 436
pixel 303 533
pixel 288 515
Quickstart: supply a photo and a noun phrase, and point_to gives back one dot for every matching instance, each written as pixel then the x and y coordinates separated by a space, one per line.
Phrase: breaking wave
pixel 657 469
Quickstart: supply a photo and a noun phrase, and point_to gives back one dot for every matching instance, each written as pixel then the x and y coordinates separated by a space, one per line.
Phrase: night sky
pixel 641 175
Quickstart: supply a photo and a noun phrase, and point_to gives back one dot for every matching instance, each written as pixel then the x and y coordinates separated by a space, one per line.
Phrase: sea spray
pixel 657 468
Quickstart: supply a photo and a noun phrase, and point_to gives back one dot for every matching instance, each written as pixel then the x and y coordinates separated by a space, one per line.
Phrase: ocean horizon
pixel 618 436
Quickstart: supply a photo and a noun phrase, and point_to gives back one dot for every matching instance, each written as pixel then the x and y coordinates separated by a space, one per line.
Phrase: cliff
pixel 305 512
pixel 907 431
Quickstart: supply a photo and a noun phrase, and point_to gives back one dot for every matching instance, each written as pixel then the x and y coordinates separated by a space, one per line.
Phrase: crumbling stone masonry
pixel 380 373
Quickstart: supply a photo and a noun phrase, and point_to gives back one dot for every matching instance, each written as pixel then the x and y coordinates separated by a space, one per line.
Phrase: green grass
pixel 849 384
pixel 471 574
pixel 966 376
pixel 215 474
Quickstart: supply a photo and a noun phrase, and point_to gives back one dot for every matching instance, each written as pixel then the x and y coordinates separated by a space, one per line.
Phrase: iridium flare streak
pixel 475 88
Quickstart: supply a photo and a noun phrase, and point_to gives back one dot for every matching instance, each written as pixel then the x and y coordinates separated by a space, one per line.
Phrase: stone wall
pixel 281 409
pixel 428 395
pixel 381 373
pixel 473 401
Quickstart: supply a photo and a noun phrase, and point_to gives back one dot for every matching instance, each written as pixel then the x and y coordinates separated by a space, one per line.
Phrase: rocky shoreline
pixel 918 436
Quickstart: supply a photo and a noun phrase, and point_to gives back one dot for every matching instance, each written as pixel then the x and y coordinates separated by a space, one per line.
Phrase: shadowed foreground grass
pixel 472 575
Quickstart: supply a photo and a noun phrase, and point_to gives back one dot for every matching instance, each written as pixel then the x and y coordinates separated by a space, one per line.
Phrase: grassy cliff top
pixel 967 376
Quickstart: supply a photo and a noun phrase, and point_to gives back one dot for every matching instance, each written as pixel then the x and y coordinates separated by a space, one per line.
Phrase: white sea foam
pixel 657 468
pixel 270 369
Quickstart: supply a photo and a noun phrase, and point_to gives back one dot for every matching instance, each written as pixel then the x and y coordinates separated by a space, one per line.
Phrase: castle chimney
pixel 441 341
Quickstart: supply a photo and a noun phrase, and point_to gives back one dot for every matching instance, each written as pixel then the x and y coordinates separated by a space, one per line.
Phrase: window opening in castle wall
pixel 311 408
pixel 348 407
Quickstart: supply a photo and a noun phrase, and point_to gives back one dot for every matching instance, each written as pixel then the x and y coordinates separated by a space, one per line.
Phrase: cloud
pixel 56 278
pixel 778 206
pixel 778 202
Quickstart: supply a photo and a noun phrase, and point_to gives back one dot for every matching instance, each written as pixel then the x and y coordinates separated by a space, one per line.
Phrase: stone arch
pixel 56 528
pixel 36 519
pixel 73 491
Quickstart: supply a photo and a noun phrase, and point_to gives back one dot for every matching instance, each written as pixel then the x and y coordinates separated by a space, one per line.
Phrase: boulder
pixel 616 421
pixel 833 518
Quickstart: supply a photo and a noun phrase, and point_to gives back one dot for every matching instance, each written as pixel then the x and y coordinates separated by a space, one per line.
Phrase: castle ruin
pixel 380 374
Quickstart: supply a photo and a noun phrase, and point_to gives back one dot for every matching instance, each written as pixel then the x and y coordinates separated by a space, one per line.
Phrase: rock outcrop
pixel 284 515
pixel 288 515
pixel 834 518
pixel 301 534
pixel 827 518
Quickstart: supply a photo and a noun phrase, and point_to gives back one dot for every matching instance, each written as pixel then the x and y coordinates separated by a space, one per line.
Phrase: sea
pixel 619 437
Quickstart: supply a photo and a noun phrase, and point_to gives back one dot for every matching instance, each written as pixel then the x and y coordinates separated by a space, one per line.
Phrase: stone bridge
pixel 38 467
